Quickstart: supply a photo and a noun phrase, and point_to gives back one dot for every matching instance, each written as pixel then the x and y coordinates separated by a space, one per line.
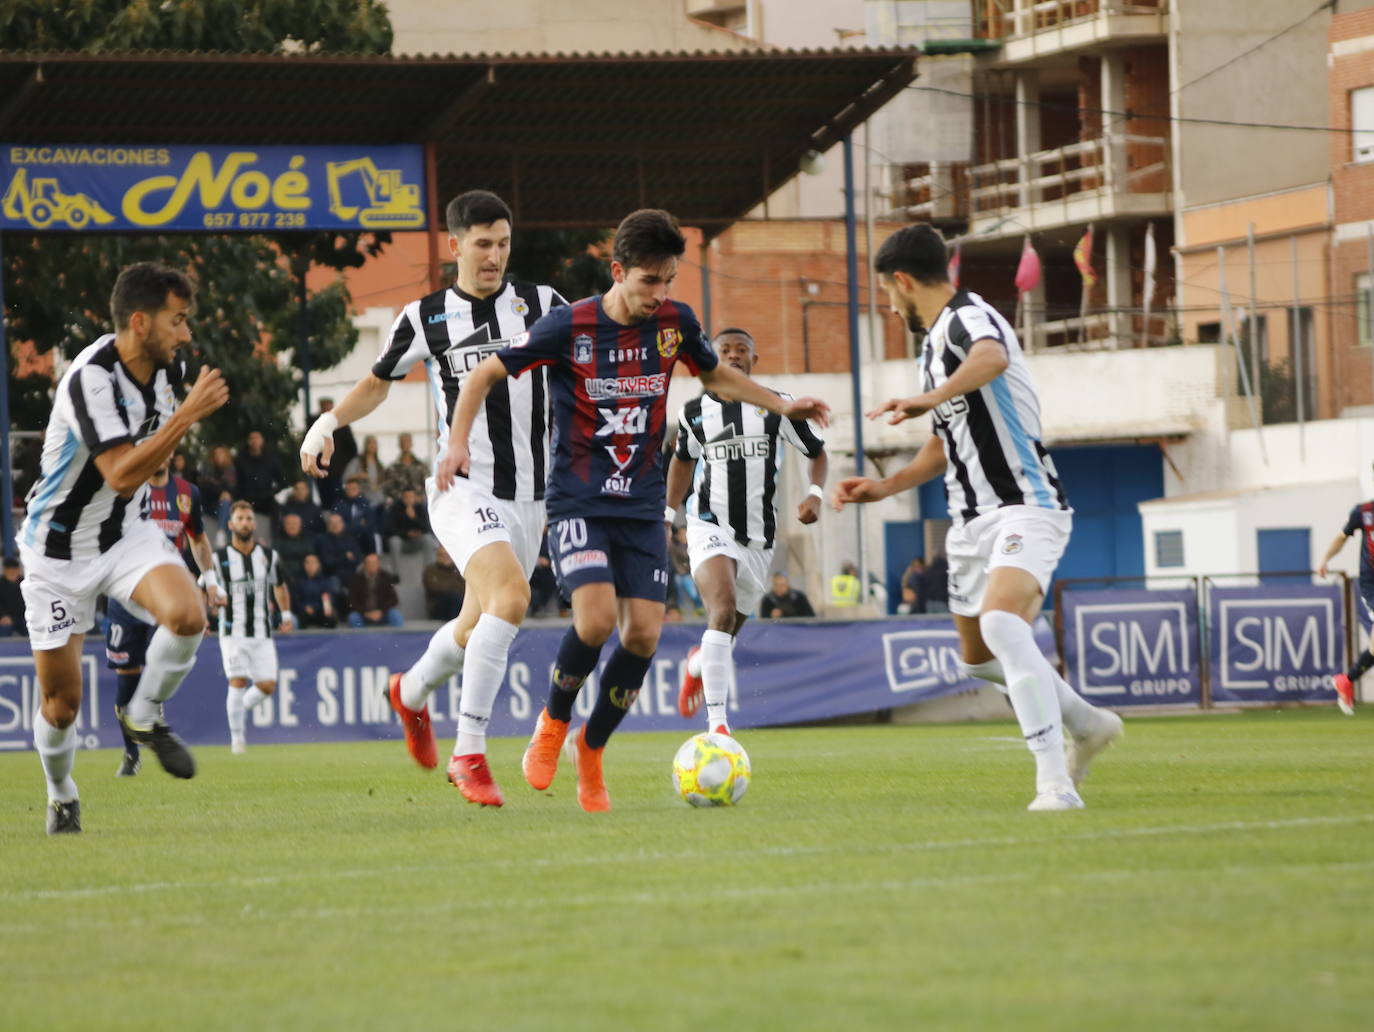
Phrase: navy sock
pixel 620 683
pixel 1362 663
pixel 576 659
pixel 127 683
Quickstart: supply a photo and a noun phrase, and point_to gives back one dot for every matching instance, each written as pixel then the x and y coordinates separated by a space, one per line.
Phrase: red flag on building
pixel 954 268
pixel 1083 258
pixel 1028 270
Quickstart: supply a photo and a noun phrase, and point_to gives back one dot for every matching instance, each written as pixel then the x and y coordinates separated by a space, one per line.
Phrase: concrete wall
pixel 1218 162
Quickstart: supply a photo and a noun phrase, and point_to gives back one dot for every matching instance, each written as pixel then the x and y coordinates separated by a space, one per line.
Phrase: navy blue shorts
pixel 126 637
pixel 631 554
pixel 1364 604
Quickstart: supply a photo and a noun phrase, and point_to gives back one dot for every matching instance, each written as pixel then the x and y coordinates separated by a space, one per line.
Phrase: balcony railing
pixel 1010 19
pixel 1103 330
pixel 932 191
pixel 1063 172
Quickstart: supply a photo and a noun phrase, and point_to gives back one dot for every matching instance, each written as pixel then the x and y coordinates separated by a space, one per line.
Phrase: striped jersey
pixel 248 581
pixel 175 507
pixel 71 512
pixel 451 332
pixel 610 403
pixel 991 435
pixel 735 485
pixel 1361 522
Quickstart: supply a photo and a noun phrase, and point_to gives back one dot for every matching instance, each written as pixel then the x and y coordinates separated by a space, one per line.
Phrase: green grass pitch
pixel 874 877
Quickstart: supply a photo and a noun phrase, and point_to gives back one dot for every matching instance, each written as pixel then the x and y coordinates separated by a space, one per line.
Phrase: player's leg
pixel 126 642
pixel 715 579
pixel 236 670
pixel 580 552
pixel 750 585
pixel 1345 683
pixel 54 730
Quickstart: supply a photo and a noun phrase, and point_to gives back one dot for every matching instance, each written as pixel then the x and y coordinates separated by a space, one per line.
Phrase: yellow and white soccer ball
pixel 711 769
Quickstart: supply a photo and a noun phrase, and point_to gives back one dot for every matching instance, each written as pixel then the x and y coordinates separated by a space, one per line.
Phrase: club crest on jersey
pixel 519 306
pixel 669 340
pixel 582 348
pixel 184 503
pixel 1012 545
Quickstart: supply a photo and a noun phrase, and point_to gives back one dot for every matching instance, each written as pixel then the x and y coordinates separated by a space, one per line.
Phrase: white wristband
pixel 314 437
pixel 669 514
pixel 287 616
pixel 817 491
pixel 209 579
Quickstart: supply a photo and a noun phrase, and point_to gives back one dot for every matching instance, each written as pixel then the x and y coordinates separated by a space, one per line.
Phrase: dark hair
pixel 144 288
pixel 919 251
pixel 735 329
pixel 475 208
pixel 647 237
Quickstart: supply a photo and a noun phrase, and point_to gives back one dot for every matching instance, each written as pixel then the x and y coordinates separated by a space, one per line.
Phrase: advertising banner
pixel 331 686
pixel 1133 647
pixel 1276 643
pixel 131 188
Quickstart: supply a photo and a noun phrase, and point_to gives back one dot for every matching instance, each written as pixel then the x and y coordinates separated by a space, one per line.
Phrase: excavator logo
pixel 41 203
pixel 391 203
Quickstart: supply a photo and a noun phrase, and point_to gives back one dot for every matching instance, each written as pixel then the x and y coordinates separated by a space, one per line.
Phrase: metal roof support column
pixel 855 373
pixel 706 287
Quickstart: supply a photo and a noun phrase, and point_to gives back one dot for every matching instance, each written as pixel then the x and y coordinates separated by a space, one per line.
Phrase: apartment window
pixel 1168 548
pixel 1362 301
pixel 1209 333
pixel 1362 124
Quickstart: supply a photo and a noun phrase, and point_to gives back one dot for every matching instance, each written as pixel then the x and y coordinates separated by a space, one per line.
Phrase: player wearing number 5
pixel 609 358
pixel 492 522
pixel 115 421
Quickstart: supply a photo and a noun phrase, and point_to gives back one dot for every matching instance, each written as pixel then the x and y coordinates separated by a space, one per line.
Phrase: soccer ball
pixel 711 769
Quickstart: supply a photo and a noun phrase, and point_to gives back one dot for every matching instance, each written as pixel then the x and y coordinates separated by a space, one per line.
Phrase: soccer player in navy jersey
pixel 1361 522
pixel 610 358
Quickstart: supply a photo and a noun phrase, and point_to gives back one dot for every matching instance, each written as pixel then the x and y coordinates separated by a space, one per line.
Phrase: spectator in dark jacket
pixel 406 471
pixel 12 619
pixel 408 519
pixel 372 596
pixel 260 475
pixel 345 451
pixel 444 587
pixel 292 545
pixel 936 581
pixel 913 587
pixel 784 600
pixel 359 516
pixel 312 595
pixel 219 485
pixel 338 549
pixel 300 503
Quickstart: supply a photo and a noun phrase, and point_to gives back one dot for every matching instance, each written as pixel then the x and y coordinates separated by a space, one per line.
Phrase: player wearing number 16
pixel 609 360
pixel 87 533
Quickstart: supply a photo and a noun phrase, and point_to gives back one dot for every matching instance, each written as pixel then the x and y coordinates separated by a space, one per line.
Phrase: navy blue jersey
pixel 1361 522
pixel 610 403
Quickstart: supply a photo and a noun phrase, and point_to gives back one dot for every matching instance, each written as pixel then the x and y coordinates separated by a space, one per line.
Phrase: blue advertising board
pixel 131 188
pixel 1276 643
pixel 331 686
pixel 1133 647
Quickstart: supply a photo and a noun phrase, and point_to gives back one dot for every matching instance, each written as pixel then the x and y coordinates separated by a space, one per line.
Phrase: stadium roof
pixel 576 140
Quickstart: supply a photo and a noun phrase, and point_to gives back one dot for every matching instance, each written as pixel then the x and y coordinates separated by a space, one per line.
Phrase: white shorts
pixel 254 659
pixel 706 541
pixel 1024 536
pixel 465 519
pixel 60 594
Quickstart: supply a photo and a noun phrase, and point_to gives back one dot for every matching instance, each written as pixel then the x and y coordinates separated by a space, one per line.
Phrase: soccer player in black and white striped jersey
pixel 725 466
pixel 1011 520
pixel 250 574
pixel 492 521
pixel 114 421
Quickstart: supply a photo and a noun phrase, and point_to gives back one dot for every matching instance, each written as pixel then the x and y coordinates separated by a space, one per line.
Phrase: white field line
pixel 268 880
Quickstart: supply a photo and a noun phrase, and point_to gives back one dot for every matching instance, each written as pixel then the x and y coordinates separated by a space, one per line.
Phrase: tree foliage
pixel 57 286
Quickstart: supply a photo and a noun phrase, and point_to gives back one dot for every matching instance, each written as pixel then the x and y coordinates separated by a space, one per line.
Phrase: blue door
pixel 1283 550
pixel 901 541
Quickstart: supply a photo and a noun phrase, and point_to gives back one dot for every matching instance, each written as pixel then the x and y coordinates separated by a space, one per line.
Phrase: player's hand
pixel 1321 570
pixel 288 624
pixel 456 462
pixel 808 408
pixel 318 447
pixel 215 599
pixel 899 410
pixel 208 394
pixel 856 491
pixel 810 509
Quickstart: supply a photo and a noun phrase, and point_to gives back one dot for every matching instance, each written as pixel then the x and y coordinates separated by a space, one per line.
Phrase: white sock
pixel 694 663
pixel 252 696
pixel 484 668
pixel 734 677
pixel 1079 714
pixel 169 659
pixel 233 707
pixel 57 752
pixel 1030 686
pixel 442 659
pixel 716 661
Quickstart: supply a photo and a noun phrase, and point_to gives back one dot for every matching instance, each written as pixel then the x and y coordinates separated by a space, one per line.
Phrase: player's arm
pixel 488 373
pixel 729 383
pixel 986 361
pixel 125 466
pixel 1337 543
pixel 363 399
pixel 810 509
pixel 205 560
pixel 929 463
pixel 282 594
